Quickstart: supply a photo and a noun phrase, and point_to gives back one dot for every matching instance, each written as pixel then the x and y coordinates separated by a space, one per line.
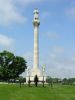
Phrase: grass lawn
pixel 14 92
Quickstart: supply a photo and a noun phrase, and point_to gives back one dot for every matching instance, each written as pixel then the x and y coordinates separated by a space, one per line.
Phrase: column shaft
pixel 36 48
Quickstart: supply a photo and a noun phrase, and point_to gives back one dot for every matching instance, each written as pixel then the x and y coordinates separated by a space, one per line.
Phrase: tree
pixel 65 81
pixel 49 80
pixel 6 58
pixel 36 80
pixel 17 66
pixel 71 81
pixel 11 66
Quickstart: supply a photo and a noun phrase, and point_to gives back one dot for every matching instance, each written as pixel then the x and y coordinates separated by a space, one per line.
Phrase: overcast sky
pixel 56 33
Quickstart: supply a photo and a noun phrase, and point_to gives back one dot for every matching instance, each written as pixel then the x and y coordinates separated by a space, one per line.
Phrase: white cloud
pixel 6 41
pixel 10 10
pixel 52 35
pixel 25 2
pixel 58 50
pixel 45 14
pixel 9 13
pixel 57 65
pixel 71 12
pixel 29 58
pixel 60 66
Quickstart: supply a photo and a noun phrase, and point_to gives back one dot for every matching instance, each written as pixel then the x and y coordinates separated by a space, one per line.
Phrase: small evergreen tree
pixel 36 80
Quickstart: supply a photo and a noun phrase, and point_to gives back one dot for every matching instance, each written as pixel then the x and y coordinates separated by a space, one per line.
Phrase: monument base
pixel 39 75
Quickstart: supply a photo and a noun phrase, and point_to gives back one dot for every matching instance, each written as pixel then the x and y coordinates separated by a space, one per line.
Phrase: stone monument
pixel 36 70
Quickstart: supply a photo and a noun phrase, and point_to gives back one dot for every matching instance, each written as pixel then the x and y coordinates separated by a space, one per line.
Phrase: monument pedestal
pixel 36 72
pixel 32 75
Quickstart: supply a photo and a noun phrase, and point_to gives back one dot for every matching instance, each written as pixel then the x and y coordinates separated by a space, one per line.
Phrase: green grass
pixel 14 92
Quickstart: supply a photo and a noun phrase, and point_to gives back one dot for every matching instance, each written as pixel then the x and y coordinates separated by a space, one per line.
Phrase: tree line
pixel 64 81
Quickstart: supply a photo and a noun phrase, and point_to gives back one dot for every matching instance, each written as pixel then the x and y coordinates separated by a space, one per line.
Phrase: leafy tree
pixel 11 66
pixel 65 81
pixel 49 80
pixel 17 66
pixel 6 58
pixel 69 81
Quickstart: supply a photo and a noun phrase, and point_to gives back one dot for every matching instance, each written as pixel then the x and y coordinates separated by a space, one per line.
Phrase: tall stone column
pixel 35 70
pixel 36 24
